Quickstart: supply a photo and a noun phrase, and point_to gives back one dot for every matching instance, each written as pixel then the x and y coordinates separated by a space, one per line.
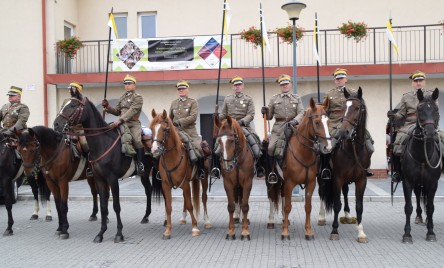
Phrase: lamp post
pixel 293 9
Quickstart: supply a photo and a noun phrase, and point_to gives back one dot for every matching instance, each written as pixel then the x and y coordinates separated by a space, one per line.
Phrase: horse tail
pixel 326 193
pixel 196 196
pixel 156 189
pixel 274 193
pixel 44 192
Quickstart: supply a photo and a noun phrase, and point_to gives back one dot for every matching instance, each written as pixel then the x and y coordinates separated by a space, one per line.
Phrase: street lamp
pixel 293 9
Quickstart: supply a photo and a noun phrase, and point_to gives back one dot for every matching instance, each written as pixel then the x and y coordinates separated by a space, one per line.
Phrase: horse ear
pixel 346 93
pixel 420 95
pixel 326 103
pixel 217 121
pixel 312 104
pixel 153 113
pixel 164 115
pixel 435 94
pixel 229 120
pixel 359 93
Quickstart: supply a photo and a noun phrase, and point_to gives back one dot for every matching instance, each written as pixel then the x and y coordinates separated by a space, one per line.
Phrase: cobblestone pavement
pixel 34 243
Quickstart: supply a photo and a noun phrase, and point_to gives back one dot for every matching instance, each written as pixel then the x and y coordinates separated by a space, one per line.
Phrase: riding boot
pixel 396 172
pixel 191 152
pixel 272 177
pixel 324 168
pixel 140 167
pixel 260 171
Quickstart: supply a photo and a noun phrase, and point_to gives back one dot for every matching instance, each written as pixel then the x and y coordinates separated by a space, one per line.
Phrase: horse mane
pixel 354 95
pixel 97 117
pixel 158 119
pixel 45 136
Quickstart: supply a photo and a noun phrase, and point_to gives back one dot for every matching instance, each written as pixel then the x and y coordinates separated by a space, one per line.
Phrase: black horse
pixel 106 157
pixel 10 169
pixel 421 163
pixel 350 161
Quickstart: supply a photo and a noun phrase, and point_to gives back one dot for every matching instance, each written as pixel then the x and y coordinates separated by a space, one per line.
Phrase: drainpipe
pixel 45 81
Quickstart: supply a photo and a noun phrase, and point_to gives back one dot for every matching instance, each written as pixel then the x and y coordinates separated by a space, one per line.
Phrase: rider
pixel 335 114
pixel 241 107
pixel 288 111
pixel 129 109
pixel 183 113
pixel 406 110
pixel 14 114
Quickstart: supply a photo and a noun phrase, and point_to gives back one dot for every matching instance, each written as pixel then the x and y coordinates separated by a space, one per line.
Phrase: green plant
pixel 69 46
pixel 252 35
pixel 355 30
pixel 286 33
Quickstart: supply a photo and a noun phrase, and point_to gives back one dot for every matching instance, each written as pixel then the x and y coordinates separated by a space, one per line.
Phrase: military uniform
pixel 284 107
pixel 13 114
pixel 183 112
pixel 335 109
pixel 240 107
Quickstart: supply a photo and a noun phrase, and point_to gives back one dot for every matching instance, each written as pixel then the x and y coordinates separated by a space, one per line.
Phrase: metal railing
pixel 417 44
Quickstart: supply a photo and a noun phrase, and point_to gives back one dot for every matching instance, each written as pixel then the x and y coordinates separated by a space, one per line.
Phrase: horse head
pixel 71 114
pixel 231 141
pixel 162 129
pixel 355 116
pixel 28 146
pixel 427 113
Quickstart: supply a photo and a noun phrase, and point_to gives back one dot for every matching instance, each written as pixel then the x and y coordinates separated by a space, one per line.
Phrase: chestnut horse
pixel 177 171
pixel 350 161
pixel 237 166
pixel 47 150
pixel 300 163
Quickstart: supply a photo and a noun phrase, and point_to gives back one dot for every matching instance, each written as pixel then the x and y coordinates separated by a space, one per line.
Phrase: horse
pixel 350 161
pixel 421 163
pixel 300 163
pixel 10 169
pixel 40 189
pixel 237 166
pixel 44 149
pixel 176 171
pixel 106 158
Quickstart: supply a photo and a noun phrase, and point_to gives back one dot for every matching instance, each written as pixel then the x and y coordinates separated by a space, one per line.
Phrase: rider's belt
pixel 411 114
pixel 6 125
pixel 283 119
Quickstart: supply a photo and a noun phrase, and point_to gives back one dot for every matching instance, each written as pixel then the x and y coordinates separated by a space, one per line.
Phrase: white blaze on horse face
pixel 155 146
pixel 224 146
pixel 348 104
pixel 65 105
pixel 324 120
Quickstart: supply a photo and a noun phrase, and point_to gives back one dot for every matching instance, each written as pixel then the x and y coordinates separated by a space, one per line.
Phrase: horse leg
pixel 321 219
pixel 7 189
pixel 287 191
pixel 116 206
pixel 360 188
pixel 103 189
pixel 48 207
pixel 189 206
pixel 55 190
pixel 271 213
pixel 168 208
pixel 417 191
pixel 35 192
pixel 334 235
pixel 408 209
pixel 64 190
pixel 246 190
pixel 231 207
pixel 92 187
pixel 207 222
pixel 183 218
pixel 145 179
pixel 308 196
pixel 347 219
pixel 237 209
pixel 430 208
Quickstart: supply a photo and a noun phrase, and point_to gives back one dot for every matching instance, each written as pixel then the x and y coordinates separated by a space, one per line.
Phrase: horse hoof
pixel 34 217
pixel 407 239
pixel 270 225
pixel 58 233
pixel 64 236
pixel 363 240
pixel 48 218
pixel 322 222
pixel 118 239
pixel 419 220
pixel 309 237
pixel 183 222
pixel 247 237
pixel 208 226
pixel 334 237
pixel 236 220
pixel 144 220
pixel 98 239
pixel 230 237
pixel 92 218
pixel 166 237
pixel 431 238
pixel 285 237
pixel 8 233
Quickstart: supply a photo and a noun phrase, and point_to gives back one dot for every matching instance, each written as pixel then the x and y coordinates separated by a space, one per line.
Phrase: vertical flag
pixel 315 40
pixel 114 34
pixel 227 18
pixel 389 32
pixel 265 41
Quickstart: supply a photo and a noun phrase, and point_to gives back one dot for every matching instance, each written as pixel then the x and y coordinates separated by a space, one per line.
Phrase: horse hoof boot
pixel 270 226
pixel 92 218
pixel 64 236
pixel 431 238
pixel 34 217
pixel 98 239
pixel 166 237
pixel 285 237
pixel 8 233
pixel 48 218
pixel 118 239
pixel 334 237
pixel 144 220
pixel 309 237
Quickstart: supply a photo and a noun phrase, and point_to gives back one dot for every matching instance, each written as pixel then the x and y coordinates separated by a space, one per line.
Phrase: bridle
pixel 316 147
pixel 76 116
pixel 230 164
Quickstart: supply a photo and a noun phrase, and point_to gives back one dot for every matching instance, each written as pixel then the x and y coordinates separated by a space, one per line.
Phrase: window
pixel 121 21
pixel 147 25
pixel 68 30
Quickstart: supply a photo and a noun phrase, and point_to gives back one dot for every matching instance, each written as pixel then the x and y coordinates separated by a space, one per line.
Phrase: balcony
pixel 417 44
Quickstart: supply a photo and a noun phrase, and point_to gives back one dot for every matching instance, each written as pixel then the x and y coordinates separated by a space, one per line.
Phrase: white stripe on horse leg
pixel 271 212
pixel 36 207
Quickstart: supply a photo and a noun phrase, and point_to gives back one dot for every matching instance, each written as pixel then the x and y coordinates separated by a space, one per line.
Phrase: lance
pixel 107 65
pixel 317 62
pixel 391 121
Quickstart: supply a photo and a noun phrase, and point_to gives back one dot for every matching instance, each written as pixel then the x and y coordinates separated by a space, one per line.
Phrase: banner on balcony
pixel 182 53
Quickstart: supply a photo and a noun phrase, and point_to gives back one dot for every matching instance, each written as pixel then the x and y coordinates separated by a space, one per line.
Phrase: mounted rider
pixel 241 107
pixel 183 112
pixel 129 108
pixel 14 114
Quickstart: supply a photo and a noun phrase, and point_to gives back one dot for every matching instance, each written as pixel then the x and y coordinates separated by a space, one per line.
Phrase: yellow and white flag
pixel 114 34
pixel 227 19
pixel 389 32
pixel 315 36
pixel 265 41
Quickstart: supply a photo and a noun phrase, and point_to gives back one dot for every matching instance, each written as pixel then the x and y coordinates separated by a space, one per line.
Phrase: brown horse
pixel 350 160
pixel 47 150
pixel 300 163
pixel 177 171
pixel 237 166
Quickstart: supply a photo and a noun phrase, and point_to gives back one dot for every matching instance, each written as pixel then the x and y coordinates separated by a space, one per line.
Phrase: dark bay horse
pixel 421 163
pixel 105 156
pixel 46 150
pixel 237 166
pixel 177 171
pixel 300 163
pixel 10 169
pixel 350 160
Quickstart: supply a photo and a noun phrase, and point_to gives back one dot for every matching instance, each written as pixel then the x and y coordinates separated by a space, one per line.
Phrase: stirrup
pixel 89 172
pixel 326 174
pixel 158 176
pixel 201 174
pixel 215 174
pixel 140 169
pixel 272 178
pixel 396 177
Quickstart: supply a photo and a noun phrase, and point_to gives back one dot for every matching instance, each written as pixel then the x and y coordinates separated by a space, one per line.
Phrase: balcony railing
pixel 417 44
